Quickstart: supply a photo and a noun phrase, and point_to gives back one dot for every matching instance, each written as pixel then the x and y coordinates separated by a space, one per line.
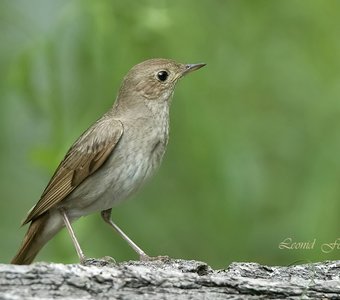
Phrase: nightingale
pixel 110 160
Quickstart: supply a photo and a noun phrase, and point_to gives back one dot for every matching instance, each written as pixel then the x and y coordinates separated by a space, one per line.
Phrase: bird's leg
pixel 106 215
pixel 73 236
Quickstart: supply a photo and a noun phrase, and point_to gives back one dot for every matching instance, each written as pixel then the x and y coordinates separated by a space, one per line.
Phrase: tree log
pixel 169 279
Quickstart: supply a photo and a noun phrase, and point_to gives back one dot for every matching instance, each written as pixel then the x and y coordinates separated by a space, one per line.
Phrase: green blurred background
pixel 254 153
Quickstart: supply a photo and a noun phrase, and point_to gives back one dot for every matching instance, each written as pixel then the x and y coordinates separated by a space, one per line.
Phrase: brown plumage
pixel 110 160
pixel 31 244
pixel 84 157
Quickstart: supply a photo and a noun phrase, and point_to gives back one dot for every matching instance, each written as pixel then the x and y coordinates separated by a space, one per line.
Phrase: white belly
pixel 120 176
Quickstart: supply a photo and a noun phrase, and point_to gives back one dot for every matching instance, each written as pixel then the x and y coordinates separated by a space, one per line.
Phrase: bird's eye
pixel 162 75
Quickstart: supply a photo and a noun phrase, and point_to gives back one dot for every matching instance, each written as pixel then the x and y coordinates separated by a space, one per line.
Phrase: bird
pixel 111 160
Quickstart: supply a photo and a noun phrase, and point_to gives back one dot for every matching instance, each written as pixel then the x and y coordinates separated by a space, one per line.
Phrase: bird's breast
pixel 135 159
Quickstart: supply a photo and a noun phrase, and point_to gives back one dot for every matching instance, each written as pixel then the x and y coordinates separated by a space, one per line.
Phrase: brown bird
pixel 110 160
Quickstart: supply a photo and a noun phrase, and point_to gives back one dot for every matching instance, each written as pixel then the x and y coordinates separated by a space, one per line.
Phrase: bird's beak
pixel 192 67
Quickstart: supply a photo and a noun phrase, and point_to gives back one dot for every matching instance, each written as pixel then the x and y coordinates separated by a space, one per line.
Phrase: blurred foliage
pixel 254 154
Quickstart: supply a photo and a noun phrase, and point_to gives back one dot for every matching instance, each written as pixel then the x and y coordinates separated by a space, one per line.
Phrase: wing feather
pixel 86 156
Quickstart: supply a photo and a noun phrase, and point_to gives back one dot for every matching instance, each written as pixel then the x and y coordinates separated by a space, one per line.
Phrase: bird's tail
pixel 35 238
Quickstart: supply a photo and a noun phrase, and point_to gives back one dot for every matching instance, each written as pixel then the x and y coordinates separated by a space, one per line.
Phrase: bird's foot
pixel 99 262
pixel 145 257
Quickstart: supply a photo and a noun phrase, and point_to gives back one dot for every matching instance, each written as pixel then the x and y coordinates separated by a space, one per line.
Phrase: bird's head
pixel 155 79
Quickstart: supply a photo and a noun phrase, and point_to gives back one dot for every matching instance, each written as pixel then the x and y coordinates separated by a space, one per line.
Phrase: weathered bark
pixel 169 279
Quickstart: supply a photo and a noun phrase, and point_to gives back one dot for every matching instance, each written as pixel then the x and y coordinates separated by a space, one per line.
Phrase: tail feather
pixel 33 241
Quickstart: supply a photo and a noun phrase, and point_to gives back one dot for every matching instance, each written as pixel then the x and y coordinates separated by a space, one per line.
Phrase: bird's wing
pixel 86 155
